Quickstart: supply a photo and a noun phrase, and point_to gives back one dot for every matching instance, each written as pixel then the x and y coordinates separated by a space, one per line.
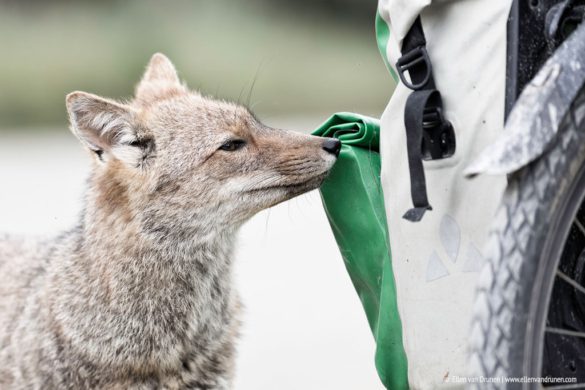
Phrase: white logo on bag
pixel 450 236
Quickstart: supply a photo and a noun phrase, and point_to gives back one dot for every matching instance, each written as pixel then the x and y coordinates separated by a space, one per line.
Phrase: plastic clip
pixel 438 135
pixel 417 57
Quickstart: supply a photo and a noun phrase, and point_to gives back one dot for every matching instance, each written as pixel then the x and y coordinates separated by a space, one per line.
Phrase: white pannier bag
pixel 436 260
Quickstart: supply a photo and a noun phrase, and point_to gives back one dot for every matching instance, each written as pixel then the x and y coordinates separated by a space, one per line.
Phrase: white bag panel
pixel 400 14
pixel 436 260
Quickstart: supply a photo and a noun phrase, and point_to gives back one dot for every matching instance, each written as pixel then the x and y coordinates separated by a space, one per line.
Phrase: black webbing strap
pixel 413 120
pixel 428 135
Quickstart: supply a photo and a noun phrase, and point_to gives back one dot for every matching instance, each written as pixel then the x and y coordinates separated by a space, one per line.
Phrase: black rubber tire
pixel 527 240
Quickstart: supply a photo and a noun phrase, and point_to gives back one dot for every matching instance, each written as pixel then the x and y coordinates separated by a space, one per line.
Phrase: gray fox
pixel 139 294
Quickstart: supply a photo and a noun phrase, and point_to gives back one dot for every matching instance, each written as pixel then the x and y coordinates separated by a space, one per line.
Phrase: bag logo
pixel 450 237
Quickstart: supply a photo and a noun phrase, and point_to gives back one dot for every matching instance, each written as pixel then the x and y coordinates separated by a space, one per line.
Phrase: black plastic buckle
pixel 416 58
pixel 438 135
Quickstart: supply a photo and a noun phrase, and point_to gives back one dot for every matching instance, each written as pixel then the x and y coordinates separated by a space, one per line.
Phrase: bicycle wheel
pixel 529 313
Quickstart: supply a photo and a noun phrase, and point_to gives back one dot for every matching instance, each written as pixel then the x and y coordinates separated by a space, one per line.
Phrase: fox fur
pixel 139 294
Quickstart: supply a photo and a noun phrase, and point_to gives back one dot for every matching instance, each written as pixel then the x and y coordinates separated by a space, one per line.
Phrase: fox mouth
pixel 297 188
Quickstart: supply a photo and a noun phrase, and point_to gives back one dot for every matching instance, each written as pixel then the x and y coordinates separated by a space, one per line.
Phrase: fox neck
pixel 172 288
pixel 155 241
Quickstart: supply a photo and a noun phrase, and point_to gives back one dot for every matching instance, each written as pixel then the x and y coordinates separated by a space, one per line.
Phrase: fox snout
pixel 282 165
pixel 332 145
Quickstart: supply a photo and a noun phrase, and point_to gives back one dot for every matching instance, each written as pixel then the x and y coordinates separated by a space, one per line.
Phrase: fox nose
pixel 332 146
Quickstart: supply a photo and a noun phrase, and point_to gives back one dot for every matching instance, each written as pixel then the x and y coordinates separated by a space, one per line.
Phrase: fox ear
pixel 160 69
pixel 159 80
pixel 104 126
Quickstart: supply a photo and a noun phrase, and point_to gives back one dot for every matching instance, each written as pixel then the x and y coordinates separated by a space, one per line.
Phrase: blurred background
pixel 293 61
pixel 283 57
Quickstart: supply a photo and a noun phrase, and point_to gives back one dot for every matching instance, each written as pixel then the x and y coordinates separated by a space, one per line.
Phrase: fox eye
pixel 233 145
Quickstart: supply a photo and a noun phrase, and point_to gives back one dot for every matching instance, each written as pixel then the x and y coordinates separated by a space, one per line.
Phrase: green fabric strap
pixel 354 203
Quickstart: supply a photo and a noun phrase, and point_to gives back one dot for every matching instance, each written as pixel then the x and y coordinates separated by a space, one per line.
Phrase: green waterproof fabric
pixel 382 36
pixel 353 200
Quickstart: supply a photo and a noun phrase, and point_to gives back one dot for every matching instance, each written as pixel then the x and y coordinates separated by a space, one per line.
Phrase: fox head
pixel 174 161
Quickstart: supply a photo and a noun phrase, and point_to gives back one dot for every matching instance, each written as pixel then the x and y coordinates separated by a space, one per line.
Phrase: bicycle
pixel 529 312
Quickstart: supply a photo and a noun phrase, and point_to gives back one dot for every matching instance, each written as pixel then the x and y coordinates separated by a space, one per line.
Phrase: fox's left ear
pixel 105 127
pixel 160 80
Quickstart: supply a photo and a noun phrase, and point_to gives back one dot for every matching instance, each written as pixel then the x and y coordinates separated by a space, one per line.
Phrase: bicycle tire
pixel 514 286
